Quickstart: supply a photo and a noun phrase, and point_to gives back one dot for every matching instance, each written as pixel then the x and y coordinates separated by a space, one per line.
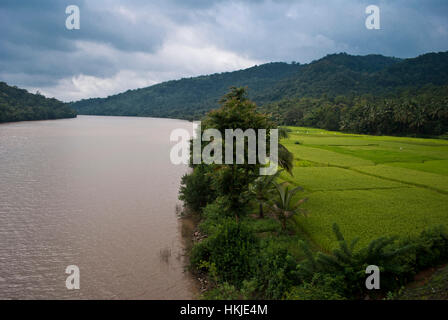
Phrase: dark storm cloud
pixel 126 44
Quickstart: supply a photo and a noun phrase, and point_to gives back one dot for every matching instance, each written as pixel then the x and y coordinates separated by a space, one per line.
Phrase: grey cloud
pixel 159 40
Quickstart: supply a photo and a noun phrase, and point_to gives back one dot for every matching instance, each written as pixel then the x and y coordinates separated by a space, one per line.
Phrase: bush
pixel 214 215
pixel 276 272
pixel 230 249
pixel 195 189
pixel 320 287
pixel 431 248
pixel 227 291
pixel 199 253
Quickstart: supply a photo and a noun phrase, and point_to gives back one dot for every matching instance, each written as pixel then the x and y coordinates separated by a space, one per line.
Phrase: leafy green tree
pixel 232 180
pixel 195 189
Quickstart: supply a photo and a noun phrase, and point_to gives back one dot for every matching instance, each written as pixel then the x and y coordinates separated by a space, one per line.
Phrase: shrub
pixel 226 291
pixel 214 214
pixel 276 272
pixel 430 249
pixel 195 189
pixel 200 252
pixel 320 287
pixel 230 249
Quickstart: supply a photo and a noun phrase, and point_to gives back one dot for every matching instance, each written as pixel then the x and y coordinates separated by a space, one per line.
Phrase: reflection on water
pixel 96 192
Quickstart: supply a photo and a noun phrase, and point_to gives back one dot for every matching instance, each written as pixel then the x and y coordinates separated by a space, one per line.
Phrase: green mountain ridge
pixel 186 98
pixel 332 76
pixel 20 105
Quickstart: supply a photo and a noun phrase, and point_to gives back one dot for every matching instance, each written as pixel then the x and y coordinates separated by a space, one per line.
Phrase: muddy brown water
pixel 96 192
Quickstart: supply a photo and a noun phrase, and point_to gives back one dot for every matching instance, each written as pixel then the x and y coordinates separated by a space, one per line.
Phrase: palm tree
pixel 285 157
pixel 419 120
pixel 262 188
pixel 284 207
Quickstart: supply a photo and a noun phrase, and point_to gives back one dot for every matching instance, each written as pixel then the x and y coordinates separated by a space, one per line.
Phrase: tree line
pixel 421 112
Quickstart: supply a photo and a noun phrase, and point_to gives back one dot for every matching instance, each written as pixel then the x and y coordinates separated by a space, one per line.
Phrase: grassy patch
pixel 437 167
pixel 370 214
pixel 377 154
pixel 370 185
pixel 332 178
pixel 426 179
pixel 325 157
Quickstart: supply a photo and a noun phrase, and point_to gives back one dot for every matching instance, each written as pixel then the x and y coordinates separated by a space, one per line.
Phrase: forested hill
pixel 283 87
pixel 20 105
pixel 187 98
pixel 405 97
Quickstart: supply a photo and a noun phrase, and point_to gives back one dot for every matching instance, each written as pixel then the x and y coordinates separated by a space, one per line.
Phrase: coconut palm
pixel 285 157
pixel 284 207
pixel 262 189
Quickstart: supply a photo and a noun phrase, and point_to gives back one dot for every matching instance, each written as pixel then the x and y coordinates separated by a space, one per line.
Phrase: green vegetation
pixel 371 201
pixel 411 111
pixel 369 94
pixel 344 268
pixel 283 206
pixel 371 186
pixel 20 105
pixel 262 188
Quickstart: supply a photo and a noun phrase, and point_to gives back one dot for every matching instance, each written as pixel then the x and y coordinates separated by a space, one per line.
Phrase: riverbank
pixel 189 223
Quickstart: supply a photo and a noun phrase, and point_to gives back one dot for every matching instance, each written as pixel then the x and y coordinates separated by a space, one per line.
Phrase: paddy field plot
pixel 371 186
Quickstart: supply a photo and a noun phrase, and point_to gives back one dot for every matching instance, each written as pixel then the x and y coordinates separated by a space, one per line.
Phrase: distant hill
pixel 332 76
pixel 186 98
pixel 20 105
pixel 346 93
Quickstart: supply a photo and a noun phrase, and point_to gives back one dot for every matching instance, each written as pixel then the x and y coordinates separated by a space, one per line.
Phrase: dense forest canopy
pixel 366 94
pixel 20 105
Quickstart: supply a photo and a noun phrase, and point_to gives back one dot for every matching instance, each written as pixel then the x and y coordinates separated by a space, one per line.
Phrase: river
pixel 96 192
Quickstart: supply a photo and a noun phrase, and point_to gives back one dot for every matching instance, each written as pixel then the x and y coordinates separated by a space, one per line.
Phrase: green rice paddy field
pixel 371 186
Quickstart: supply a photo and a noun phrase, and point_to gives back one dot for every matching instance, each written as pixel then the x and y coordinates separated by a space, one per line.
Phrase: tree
pixel 284 207
pixel 262 188
pixel 232 180
pixel 195 189
pixel 285 157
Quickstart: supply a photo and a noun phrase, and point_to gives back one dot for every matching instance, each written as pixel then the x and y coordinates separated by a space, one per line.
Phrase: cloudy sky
pixel 128 44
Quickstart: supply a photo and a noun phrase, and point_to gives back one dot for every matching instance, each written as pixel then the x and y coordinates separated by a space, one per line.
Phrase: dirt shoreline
pixel 189 233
